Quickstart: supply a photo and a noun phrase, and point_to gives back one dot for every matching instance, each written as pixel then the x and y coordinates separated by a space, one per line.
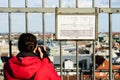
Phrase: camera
pixel 45 53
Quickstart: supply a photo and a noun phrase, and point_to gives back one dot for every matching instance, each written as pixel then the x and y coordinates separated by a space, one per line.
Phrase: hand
pixel 39 51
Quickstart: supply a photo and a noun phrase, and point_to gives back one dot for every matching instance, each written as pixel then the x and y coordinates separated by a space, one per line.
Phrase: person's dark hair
pixel 27 42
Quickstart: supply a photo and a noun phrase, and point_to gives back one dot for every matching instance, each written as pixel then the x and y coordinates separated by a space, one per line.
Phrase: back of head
pixel 27 42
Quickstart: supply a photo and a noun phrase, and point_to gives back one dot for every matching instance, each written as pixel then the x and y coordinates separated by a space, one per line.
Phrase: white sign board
pixel 75 27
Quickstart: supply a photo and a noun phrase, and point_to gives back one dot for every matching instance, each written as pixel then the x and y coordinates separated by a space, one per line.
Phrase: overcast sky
pixel 35 20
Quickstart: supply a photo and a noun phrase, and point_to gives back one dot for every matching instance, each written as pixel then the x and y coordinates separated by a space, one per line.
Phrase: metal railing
pixel 44 10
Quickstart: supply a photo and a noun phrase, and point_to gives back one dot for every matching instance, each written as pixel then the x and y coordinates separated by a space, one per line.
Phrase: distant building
pixel 69 58
pixel 2 42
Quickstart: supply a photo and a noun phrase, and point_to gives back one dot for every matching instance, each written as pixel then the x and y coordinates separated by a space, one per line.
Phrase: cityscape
pixel 85 51
pixel 83 36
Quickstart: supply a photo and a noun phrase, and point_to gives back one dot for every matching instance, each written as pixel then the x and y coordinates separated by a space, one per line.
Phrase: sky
pixel 35 19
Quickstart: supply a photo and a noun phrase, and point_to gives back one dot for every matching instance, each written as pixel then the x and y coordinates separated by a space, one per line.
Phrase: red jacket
pixel 24 68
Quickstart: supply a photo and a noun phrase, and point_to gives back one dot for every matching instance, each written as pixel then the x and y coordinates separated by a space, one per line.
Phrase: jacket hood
pixel 23 67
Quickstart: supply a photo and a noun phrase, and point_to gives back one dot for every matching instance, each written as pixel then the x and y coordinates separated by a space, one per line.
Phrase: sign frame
pixel 79 33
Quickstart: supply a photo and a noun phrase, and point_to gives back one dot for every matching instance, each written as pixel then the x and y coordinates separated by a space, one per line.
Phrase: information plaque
pixel 75 27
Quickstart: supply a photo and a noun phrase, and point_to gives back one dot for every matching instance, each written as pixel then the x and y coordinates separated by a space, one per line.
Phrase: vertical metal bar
pixel 77 59
pixel 42 3
pixel 96 37
pixel 81 75
pixel 110 43
pixel 76 3
pixel 67 75
pixel 59 3
pixel 61 69
pixel 9 20
pixel 26 16
pixel 43 27
pixel 43 23
pixel 93 5
pixel 94 60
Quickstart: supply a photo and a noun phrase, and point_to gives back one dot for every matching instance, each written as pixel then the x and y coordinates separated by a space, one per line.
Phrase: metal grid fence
pixel 44 10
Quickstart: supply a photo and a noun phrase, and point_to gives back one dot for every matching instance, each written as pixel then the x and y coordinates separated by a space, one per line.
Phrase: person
pixel 26 65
